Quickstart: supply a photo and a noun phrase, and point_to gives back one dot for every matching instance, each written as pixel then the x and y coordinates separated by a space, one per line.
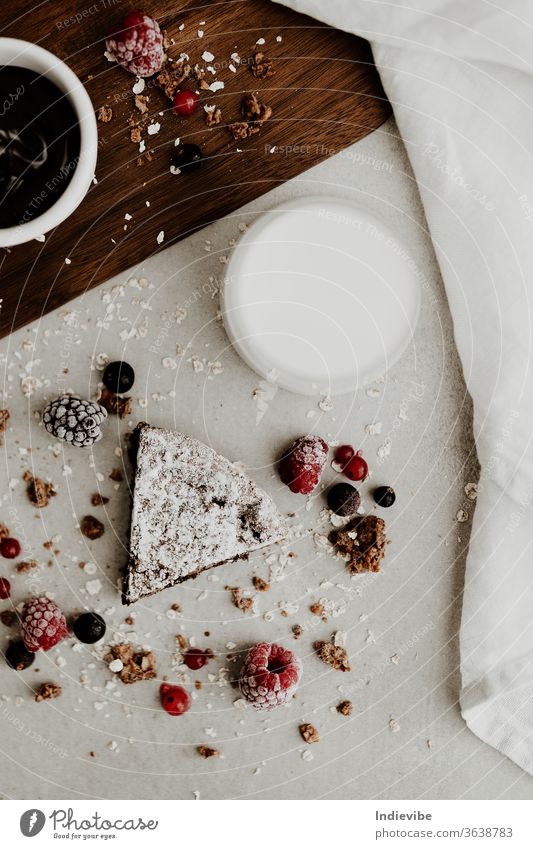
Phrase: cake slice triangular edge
pixel 192 510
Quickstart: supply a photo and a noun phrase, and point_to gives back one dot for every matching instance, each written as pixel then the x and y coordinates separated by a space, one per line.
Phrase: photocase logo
pixel 32 822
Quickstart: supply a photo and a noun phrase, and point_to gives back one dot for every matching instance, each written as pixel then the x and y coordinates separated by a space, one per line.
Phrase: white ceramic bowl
pixel 24 54
pixel 320 296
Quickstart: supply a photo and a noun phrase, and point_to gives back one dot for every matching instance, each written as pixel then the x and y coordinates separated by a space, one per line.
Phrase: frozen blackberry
pixel 18 657
pixel 118 377
pixel 89 627
pixel 74 420
pixel 187 158
pixel 343 499
pixel 384 496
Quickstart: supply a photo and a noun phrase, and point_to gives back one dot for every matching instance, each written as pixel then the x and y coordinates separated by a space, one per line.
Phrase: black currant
pixel 343 499
pixel 384 496
pixel 118 377
pixel 89 627
pixel 18 657
pixel 187 157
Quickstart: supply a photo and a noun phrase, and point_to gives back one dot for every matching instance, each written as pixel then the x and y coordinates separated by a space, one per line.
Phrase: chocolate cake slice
pixel 192 510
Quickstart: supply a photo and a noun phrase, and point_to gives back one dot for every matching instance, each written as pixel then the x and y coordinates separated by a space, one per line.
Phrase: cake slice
pixel 192 510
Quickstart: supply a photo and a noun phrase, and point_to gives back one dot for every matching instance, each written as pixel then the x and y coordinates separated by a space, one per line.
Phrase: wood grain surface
pixel 325 95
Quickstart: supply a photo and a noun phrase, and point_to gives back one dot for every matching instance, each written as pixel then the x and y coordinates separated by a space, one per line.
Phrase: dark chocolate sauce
pixel 39 145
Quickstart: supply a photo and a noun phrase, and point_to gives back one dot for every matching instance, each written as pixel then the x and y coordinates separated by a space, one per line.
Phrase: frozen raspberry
pixel 302 466
pixel 137 45
pixel 269 676
pixel 42 624
pixel 174 699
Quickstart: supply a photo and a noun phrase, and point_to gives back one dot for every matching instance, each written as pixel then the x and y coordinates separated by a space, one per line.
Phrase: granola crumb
pixel 240 601
pixel 345 708
pixel 4 531
pixel 334 656
pixel 309 733
pixel 207 752
pixel 91 527
pixel 318 609
pixel 116 475
pixel 137 665
pixel 135 135
pixel 171 77
pixel 47 691
pixel 116 405
pixel 254 113
pixel 105 114
pixel 98 500
pixel 4 418
pixel 26 566
pixel 260 585
pixel 8 617
pixel 182 642
pixel 39 493
pixel 213 117
pixel 261 67
pixel 297 631
pixel 176 607
pixel 141 103
pixel 362 542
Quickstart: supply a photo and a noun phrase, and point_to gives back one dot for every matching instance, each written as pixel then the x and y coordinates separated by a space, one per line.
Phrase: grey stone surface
pixel 405 738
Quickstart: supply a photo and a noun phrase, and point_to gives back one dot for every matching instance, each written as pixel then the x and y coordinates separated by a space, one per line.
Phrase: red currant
pixel 357 468
pixel 5 588
pixel 343 455
pixel 185 101
pixel 195 658
pixel 10 548
pixel 174 699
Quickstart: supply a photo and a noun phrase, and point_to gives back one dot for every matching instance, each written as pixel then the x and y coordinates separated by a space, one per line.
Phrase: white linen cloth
pixel 459 75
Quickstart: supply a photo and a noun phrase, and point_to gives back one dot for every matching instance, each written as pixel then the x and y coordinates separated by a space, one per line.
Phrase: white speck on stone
pixel 93 587
pixel 169 362
pixel 374 428
pixel 394 725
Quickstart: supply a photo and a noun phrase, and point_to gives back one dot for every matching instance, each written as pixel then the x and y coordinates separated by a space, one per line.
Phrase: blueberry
pixel 18 657
pixel 89 627
pixel 384 496
pixel 118 377
pixel 343 499
pixel 187 157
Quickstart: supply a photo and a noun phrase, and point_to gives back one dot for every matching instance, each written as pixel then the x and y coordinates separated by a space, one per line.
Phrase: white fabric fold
pixel 459 75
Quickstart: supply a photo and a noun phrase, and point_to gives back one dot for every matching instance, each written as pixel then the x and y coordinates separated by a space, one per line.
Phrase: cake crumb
pixel 334 656
pixel 345 708
pixel 297 631
pixel 91 527
pixel 207 752
pixel 137 665
pixel 4 531
pixel 39 493
pixel 98 500
pixel 213 117
pixel 47 691
pixel 309 733
pixel 254 113
pixel 116 475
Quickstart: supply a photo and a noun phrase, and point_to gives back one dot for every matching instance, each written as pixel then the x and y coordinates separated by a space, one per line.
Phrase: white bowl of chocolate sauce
pixel 48 141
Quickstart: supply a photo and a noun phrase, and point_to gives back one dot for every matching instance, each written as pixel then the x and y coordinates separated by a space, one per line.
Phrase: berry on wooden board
pixel 185 102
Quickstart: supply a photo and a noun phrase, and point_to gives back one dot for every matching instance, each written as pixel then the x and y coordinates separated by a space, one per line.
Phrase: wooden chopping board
pixel 325 95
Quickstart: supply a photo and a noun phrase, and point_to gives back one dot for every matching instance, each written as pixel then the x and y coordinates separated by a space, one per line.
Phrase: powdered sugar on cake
pixel 192 510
